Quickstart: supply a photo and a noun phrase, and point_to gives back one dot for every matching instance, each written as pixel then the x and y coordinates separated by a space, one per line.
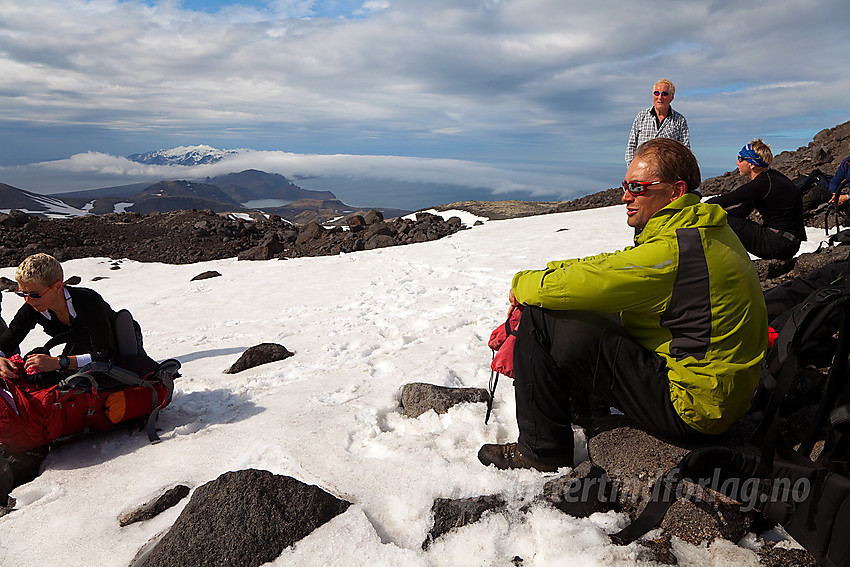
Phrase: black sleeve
pixel 741 201
pixel 23 322
pixel 3 326
pixel 95 315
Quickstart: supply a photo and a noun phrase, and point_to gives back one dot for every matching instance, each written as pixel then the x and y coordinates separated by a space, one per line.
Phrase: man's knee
pixel 559 336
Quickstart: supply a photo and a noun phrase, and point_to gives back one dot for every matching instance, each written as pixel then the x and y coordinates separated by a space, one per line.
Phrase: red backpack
pixel 32 416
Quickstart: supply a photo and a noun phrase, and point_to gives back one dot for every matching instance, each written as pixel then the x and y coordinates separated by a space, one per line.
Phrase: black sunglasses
pixel 662 93
pixel 35 295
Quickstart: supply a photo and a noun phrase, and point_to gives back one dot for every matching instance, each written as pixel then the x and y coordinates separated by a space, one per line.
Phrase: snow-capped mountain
pixel 183 155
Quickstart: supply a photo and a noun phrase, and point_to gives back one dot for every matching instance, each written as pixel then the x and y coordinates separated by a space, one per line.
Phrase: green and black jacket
pixel 688 291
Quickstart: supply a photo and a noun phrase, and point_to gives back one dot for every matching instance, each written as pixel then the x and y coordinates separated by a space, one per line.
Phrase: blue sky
pixel 324 9
pixel 538 94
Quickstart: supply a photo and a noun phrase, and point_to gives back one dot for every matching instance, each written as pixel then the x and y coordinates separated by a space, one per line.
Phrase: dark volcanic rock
pixel 775 272
pixel 451 514
pixel 773 556
pixel 260 354
pixel 659 549
pixel 155 507
pixel 17 469
pixel 356 223
pixel 417 398
pixel 605 198
pixel 269 248
pixel 243 518
pixel 206 275
pixel 635 459
pixel 373 216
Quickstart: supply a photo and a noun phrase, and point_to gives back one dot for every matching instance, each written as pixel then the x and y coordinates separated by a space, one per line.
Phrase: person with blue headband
pixel 776 199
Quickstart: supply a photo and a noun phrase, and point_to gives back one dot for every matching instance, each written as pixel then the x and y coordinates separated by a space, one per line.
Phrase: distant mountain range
pixel 245 191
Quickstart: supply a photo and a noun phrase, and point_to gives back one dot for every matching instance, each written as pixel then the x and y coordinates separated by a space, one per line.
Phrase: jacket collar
pixel 657 222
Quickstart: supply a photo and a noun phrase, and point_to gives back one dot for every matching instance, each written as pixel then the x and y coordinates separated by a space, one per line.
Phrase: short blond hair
pixel 39 268
pixel 763 150
pixel 667 82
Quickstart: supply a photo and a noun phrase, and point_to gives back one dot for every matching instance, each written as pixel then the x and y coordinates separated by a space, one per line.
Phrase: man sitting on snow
pixel 671 331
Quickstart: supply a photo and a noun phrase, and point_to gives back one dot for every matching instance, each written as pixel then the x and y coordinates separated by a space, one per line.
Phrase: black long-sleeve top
pixel 774 196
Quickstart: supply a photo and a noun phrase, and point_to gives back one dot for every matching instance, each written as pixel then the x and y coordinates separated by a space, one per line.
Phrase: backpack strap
pixel 663 496
pixel 165 374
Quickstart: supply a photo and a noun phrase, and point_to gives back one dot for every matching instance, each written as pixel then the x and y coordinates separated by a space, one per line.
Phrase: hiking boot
pixel 507 456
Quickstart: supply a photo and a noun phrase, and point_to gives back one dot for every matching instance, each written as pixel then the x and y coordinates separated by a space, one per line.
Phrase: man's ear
pixel 679 189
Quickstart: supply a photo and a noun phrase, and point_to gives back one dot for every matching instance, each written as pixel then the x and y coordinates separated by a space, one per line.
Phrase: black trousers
pixel 764 242
pixel 557 351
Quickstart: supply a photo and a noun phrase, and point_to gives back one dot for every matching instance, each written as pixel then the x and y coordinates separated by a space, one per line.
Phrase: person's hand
pixel 513 302
pixel 8 369
pixel 843 198
pixel 43 362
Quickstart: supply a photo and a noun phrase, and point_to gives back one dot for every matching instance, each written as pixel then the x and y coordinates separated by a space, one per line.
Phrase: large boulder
pixel 634 460
pixel 244 518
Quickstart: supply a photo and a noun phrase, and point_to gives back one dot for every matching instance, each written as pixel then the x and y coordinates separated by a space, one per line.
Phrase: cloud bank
pixel 95 170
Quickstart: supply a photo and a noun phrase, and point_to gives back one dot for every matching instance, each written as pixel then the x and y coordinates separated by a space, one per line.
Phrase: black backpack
pixel 811 500
pixel 814 188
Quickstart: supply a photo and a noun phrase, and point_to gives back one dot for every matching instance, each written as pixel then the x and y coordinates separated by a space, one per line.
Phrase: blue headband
pixel 749 155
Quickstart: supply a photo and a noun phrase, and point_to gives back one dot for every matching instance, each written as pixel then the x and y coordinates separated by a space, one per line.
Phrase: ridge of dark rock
pixel 189 236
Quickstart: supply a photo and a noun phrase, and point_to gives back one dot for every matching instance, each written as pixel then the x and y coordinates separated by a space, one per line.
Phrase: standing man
pixel 658 121
pixel 774 196
pixel 671 331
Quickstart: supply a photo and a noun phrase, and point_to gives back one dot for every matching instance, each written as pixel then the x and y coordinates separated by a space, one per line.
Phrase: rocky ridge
pixel 189 236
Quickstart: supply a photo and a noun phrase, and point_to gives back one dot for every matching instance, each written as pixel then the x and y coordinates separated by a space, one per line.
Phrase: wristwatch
pixel 64 362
